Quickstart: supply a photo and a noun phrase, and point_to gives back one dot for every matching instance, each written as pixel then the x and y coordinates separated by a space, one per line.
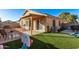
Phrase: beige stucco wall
pixel 49 21
pixel 41 23
pixel 57 24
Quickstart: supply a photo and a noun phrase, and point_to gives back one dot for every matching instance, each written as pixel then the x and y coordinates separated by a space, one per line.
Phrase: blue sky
pixel 11 14
pixel 56 12
pixel 15 14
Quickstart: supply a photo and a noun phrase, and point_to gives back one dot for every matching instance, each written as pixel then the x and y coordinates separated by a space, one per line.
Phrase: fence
pixel 9 37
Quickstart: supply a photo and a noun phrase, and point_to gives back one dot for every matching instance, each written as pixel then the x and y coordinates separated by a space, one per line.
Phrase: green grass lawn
pixel 55 40
pixel 49 41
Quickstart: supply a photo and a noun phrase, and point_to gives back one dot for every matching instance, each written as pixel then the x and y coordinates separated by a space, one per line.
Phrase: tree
pixel 68 17
pixel 74 17
pixel 64 15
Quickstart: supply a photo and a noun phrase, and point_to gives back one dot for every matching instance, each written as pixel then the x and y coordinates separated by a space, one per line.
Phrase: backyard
pixel 49 41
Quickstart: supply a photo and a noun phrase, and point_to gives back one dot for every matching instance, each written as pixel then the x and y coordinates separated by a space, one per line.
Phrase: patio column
pixel 34 24
pixel 31 25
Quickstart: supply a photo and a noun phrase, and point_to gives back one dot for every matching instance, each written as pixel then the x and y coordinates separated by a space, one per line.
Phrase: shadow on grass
pixel 13 44
pixel 37 44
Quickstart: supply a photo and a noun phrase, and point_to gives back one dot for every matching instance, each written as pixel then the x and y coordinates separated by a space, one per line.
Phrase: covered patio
pixel 34 24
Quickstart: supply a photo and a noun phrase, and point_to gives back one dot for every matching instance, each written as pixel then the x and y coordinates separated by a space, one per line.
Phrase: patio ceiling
pixel 34 17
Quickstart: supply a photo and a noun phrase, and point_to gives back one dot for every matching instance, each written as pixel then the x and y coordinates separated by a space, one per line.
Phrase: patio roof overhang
pixel 34 17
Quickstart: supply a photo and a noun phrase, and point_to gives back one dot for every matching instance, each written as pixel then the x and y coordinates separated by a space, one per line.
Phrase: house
pixel 36 22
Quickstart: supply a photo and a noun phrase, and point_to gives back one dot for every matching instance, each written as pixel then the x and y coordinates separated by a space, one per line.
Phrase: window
pixel 25 24
pixel 54 23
